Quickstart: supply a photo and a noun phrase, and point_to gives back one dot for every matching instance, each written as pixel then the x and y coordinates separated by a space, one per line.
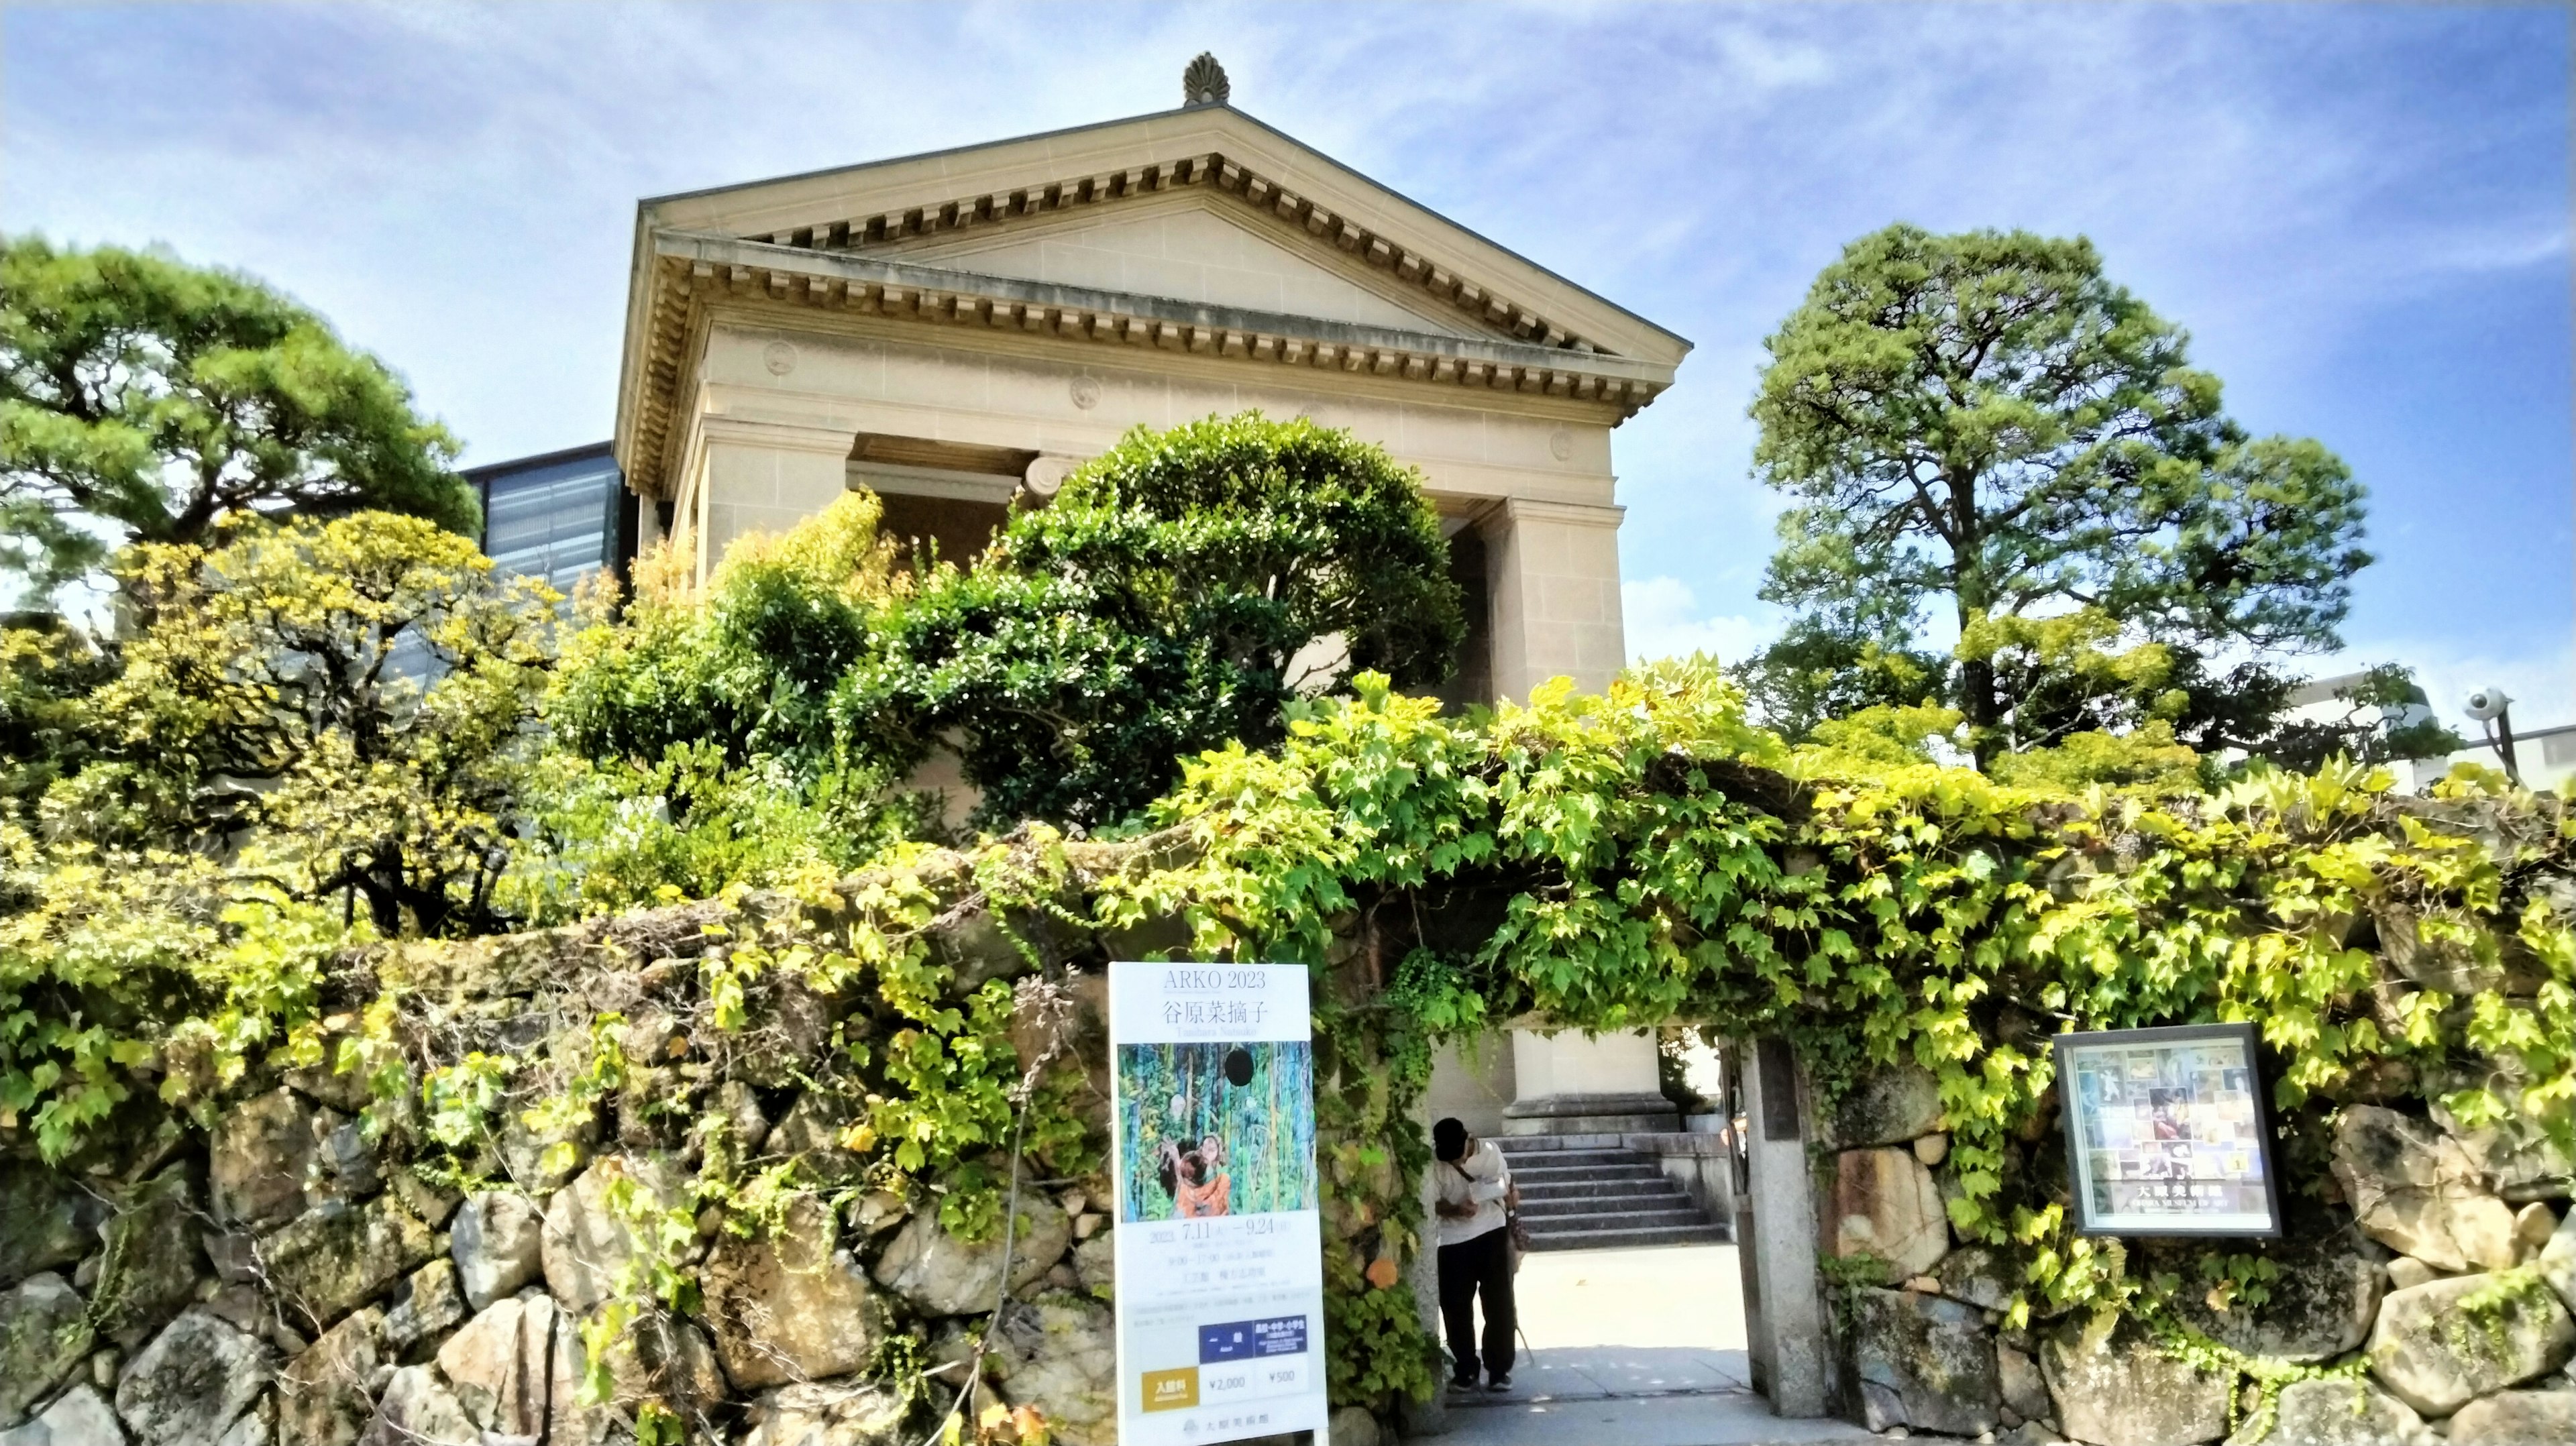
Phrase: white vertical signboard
pixel 1220 1248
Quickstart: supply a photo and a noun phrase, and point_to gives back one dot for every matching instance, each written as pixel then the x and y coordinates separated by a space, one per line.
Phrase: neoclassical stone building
pixel 958 330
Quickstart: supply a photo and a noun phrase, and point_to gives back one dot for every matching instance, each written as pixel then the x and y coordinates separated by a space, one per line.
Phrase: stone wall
pixel 2424 1291
pixel 283 1277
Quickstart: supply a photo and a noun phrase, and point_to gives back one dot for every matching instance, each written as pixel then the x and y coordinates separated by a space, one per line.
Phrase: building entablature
pixel 1385 290
pixel 695 276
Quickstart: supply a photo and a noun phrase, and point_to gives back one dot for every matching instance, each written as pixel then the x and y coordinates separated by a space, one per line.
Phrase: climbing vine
pixel 1646 856
pixel 1594 862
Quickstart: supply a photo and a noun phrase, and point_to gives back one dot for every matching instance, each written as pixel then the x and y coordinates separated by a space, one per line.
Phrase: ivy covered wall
pixel 733 1168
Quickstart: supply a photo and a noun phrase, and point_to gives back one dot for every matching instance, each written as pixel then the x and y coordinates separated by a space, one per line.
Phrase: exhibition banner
pixel 1220 1267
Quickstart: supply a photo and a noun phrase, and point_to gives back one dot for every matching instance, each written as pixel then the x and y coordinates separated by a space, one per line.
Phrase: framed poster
pixel 2166 1132
pixel 1220 1266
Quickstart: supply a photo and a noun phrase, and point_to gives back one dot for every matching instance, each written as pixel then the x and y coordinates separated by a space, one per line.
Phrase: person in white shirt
pixel 1475 1189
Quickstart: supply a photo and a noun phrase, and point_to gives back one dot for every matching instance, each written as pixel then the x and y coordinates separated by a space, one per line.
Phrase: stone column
pixel 763 477
pixel 1571 1083
pixel 1553 577
pixel 1784 1316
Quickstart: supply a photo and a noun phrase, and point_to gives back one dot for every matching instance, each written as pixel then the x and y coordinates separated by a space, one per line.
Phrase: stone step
pixel 1588 1192
pixel 1701 1234
pixel 1567 1159
pixel 1552 1211
pixel 1630 1169
pixel 1587 1220
pixel 1533 1190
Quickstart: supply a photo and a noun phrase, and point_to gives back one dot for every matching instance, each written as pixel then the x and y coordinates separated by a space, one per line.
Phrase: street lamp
pixel 2490 706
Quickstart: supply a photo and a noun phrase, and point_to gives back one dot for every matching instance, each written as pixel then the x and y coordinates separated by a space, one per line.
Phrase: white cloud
pixel 1664 621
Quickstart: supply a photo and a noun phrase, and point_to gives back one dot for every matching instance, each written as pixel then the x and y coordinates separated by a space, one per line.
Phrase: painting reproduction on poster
pixel 2166 1132
pixel 1220 1275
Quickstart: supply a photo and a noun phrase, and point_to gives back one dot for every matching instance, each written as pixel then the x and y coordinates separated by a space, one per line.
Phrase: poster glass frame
pixel 2242 1107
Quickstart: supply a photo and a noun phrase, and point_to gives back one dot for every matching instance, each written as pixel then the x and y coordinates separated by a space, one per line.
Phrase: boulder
pixel 501 1364
pixel 343 1090
pixel 254 1427
pixel 2533 1225
pixel 329 1262
pixel 811 1131
pixel 2322 1301
pixel 1885 1204
pixel 1354 1426
pixel 345 1167
pixel 323 1395
pixel 424 1305
pixel 2513 1154
pixel 541 1161
pixel 733 1110
pixel 1889 1106
pixel 2406 1272
pixel 795 1020
pixel 2335 1412
pixel 2517 1418
pixel 569 1421
pixel 585 1242
pixel 856 1413
pixel 2110 1384
pixel 1981 1275
pixel 1922 1361
pixel 2557 1261
pixel 2415 1190
pixel 80 1417
pixel 943 1275
pixel 2025 1390
pixel 498 1242
pixel 192 1382
pixel 416 1410
pixel 979 948
pixel 2440 1345
pixel 1059 1355
pixel 149 1269
pixel 793 1305
pixel 45 1334
pixel 879 1211
pixel 2441 962
pixel 644 1122
pixel 44 1222
pixel 664 1358
pixel 1095 1262
pixel 258 1158
pixel 432 1203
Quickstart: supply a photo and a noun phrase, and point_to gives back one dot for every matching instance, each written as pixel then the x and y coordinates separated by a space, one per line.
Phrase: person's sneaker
pixel 1463 1387
pixel 1500 1385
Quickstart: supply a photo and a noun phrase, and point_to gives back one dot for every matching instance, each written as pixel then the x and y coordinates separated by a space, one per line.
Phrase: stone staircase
pixel 1586 1192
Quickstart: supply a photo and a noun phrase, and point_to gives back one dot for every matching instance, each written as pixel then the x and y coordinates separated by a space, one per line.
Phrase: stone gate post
pixel 1784 1318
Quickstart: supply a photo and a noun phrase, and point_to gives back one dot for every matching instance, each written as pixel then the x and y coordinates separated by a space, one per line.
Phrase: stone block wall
pixel 285 1278
pixel 2428 1295
pixel 290 1287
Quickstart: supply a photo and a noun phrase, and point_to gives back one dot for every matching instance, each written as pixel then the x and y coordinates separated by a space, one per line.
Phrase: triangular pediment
pixel 1198 185
pixel 1196 246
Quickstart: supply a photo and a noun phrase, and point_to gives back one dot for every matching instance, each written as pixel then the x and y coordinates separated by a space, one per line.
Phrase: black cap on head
pixel 1449 1139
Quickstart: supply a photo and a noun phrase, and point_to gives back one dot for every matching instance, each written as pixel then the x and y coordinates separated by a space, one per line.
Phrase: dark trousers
pixel 1484 1265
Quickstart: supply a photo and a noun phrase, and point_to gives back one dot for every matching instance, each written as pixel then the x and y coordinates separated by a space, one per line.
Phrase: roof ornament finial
pixel 1204 83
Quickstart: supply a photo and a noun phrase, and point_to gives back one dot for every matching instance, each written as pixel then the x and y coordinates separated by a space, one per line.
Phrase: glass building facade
pixel 560 516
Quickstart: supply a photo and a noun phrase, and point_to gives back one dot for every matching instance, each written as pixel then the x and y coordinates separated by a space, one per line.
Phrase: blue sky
pixel 2360 212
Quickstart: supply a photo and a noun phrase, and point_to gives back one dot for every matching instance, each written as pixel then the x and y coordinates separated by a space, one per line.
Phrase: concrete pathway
pixel 1638 1347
